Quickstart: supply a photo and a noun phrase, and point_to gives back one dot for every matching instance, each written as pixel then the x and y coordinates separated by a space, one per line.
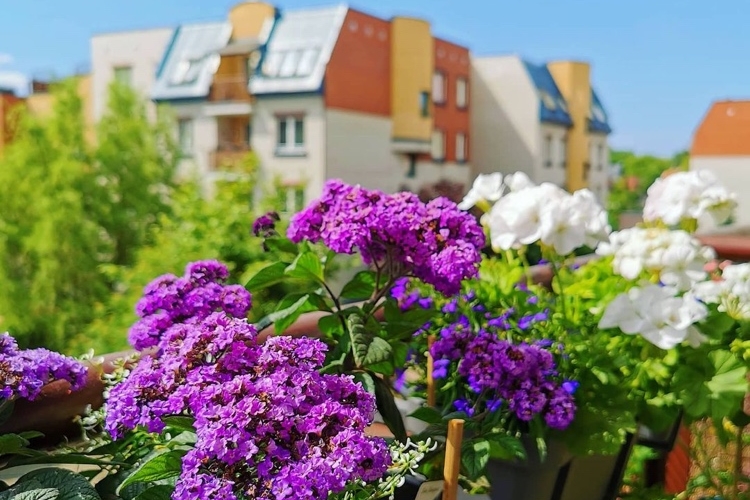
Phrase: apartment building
pixel 315 93
pixel 543 119
pixel 721 144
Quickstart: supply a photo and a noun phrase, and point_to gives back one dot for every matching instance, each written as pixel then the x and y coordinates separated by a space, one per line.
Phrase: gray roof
pixel 299 48
pixel 190 61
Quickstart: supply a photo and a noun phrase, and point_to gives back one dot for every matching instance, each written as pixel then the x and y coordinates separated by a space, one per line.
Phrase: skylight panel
pixel 307 62
pixel 289 65
pixel 271 63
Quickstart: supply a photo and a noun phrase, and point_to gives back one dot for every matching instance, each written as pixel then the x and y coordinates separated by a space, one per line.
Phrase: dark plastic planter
pixel 530 479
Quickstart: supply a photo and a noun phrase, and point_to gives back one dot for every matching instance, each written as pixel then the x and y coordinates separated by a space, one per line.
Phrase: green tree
pixel 130 156
pixel 71 208
pixel 50 243
pixel 196 228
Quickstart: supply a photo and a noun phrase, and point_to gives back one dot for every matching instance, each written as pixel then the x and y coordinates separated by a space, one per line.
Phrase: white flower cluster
pixel 688 195
pixel 658 314
pixel 524 213
pixel 731 292
pixel 674 256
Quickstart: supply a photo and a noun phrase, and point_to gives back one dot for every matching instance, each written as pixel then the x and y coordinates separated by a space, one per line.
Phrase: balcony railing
pixel 230 88
pixel 230 157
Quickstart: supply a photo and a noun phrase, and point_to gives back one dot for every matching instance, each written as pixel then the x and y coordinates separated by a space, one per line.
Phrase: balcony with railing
pixel 229 96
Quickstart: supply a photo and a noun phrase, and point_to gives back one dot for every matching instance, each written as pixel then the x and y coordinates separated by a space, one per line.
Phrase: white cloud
pixel 5 59
pixel 14 80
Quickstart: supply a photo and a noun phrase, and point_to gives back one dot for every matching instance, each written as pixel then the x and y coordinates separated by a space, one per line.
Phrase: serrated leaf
pixel 9 493
pixel 427 414
pixel 361 286
pixel 37 494
pixel 306 266
pixel 268 276
pixel 367 348
pixel 388 409
pixel 474 457
pixel 71 486
pixel 162 466
pixel 159 492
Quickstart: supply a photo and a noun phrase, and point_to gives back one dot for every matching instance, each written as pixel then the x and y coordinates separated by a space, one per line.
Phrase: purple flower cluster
pixel 268 424
pixel 23 372
pixel 500 375
pixel 169 301
pixel 435 241
pixel 265 225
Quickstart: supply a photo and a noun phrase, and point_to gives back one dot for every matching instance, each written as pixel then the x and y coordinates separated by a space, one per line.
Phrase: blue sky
pixel 657 64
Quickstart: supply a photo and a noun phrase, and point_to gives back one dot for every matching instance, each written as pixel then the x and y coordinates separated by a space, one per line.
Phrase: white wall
pixel 599 159
pixel 504 116
pixel 142 50
pixel 205 140
pixel 734 173
pixel 358 151
pixel 308 169
pixel 555 171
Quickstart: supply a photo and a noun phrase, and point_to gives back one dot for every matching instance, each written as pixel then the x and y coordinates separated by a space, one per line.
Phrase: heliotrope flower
pixel 268 424
pixel 169 301
pixel 435 241
pixel 23 372
pixel 498 375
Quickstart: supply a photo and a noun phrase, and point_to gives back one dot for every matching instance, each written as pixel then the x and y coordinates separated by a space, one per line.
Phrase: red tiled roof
pixel 724 131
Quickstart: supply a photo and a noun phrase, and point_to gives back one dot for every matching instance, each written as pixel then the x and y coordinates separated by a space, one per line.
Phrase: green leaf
pixel 159 492
pixel 402 324
pixel 365 379
pixel 505 447
pixel 368 349
pixel 12 443
pixel 474 457
pixel 282 245
pixel 9 493
pixel 330 325
pixel 361 286
pixel 38 494
pixel 388 409
pixel 306 266
pixel 71 486
pixel 730 376
pixel 162 466
pixel 31 434
pixel 180 423
pixel 427 414
pixel 289 310
pixel 268 276
pixel 37 458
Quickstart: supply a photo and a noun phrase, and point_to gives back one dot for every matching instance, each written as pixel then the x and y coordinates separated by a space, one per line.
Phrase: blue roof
pixel 190 61
pixel 598 121
pixel 552 105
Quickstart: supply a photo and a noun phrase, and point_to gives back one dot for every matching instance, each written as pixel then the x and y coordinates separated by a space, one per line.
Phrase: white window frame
pixel 563 146
pixel 462 92
pixel 439 87
pixel 461 147
pixel 291 194
pixel 290 146
pixel 437 148
pixel 186 136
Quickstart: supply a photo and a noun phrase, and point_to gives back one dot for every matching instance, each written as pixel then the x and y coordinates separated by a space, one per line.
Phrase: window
pixel 424 103
pixel 547 151
pixel 290 138
pixel 186 71
pixel 438 87
pixel 289 66
pixel 563 144
pixel 600 156
pixel 295 199
pixel 412 172
pixel 462 93
pixel 185 135
pixel 272 62
pixel 124 75
pixel 307 62
pixel 438 145
pixel 460 147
